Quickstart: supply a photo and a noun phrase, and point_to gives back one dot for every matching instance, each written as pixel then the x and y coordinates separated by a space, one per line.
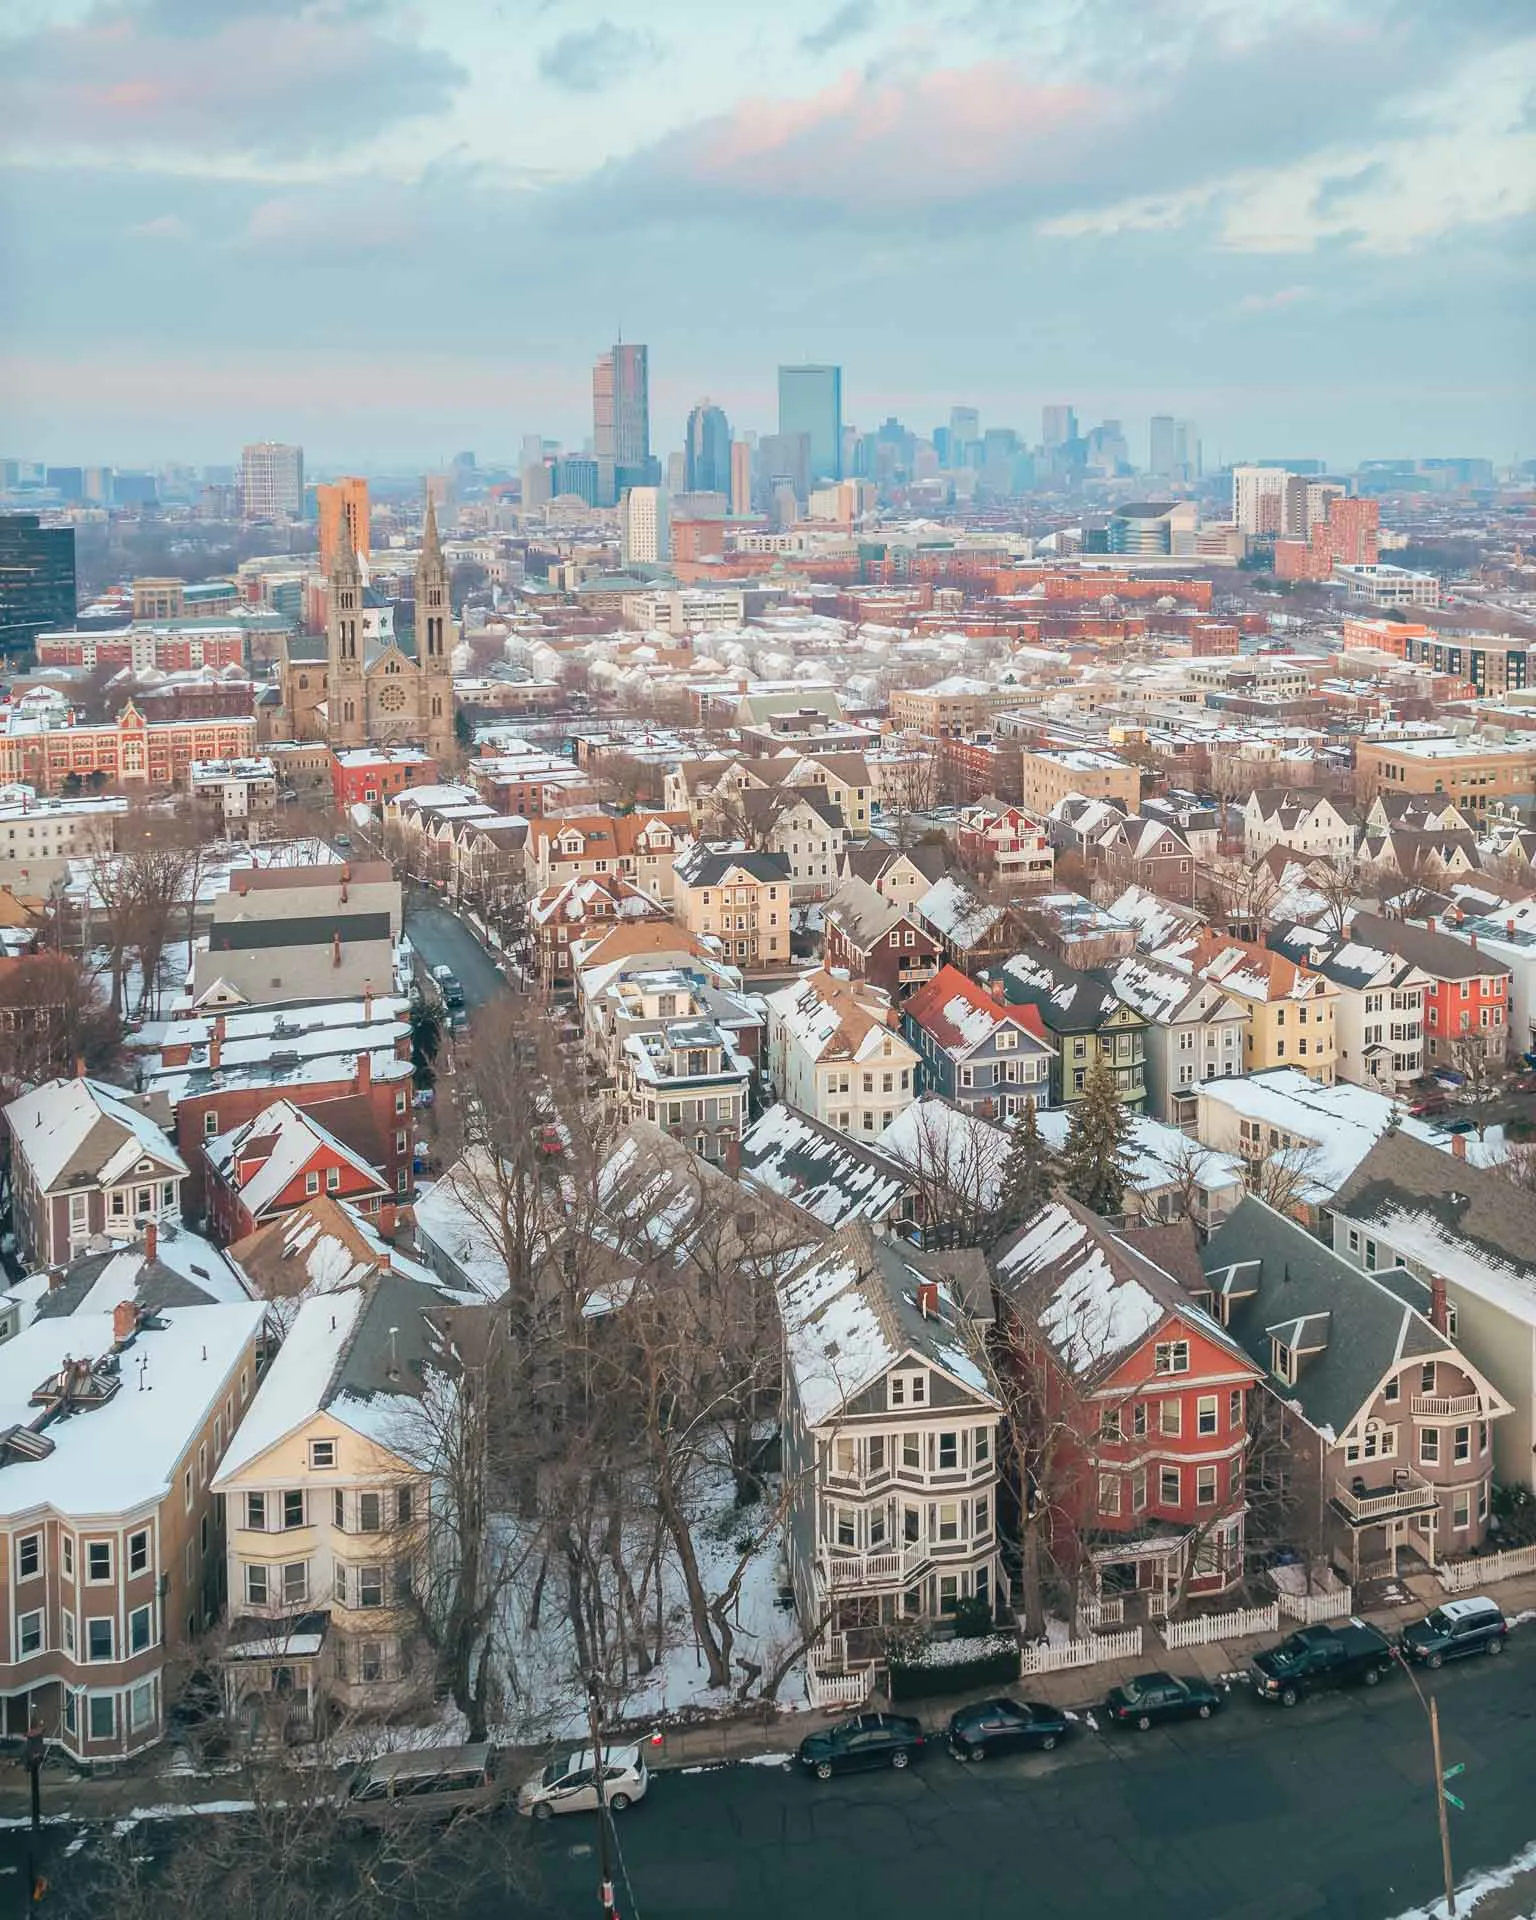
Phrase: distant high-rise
pixel 707 455
pixel 811 402
pixel 646 538
pixel 37 579
pixel 576 473
pixel 342 505
pixel 784 459
pixel 964 434
pixel 1173 448
pixel 741 477
pixel 1258 499
pixel 1058 425
pixel 621 421
pixel 271 481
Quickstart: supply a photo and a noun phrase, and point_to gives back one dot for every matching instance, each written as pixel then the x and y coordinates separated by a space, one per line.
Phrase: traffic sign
pixel 1459 1805
pixel 1451 1772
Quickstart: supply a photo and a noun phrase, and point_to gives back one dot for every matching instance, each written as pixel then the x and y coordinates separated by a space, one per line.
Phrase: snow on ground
pixel 1470 1892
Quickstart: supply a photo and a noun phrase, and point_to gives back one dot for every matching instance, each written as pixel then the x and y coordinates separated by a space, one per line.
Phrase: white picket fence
pixel 1082 1653
pixel 1483 1572
pixel 1098 1614
pixel 1236 1625
pixel 836 1689
pixel 1309 1608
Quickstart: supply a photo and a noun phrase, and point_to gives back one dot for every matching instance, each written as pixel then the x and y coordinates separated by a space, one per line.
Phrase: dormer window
pixel 1282 1362
pixel 909 1390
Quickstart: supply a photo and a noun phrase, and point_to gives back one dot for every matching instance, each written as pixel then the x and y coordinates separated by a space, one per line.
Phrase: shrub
pixel 955 1666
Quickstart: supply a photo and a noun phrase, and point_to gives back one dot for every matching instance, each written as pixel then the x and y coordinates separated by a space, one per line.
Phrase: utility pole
pixel 1445 1823
pixel 605 1898
pixel 37 1747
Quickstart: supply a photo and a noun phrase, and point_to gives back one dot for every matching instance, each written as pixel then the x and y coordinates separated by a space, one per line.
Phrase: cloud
pixel 850 20
pixel 165 226
pixel 299 77
pixel 1275 302
pixel 593 59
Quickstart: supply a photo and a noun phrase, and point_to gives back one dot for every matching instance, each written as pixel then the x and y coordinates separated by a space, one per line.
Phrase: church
pixel 370 689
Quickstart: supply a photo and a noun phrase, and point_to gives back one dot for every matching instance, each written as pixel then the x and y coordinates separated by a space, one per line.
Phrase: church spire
pixel 431 546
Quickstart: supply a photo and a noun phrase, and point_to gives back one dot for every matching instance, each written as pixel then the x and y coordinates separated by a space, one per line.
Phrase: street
pixel 443 940
pixel 1323 1813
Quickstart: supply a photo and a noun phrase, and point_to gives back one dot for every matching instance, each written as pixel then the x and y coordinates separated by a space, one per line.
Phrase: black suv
pixel 868 1740
pixel 1473 1625
pixel 1353 1654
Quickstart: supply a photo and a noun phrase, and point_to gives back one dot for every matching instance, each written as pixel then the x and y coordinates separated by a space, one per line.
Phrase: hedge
pixel 922 1682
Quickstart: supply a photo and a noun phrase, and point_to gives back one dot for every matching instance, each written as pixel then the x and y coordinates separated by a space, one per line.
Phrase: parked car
pixel 1004 1726
pixel 448 986
pixel 429 1783
pixel 868 1740
pixel 1473 1625
pixel 1430 1103
pixel 1159 1696
pixel 570 1785
pixel 1315 1657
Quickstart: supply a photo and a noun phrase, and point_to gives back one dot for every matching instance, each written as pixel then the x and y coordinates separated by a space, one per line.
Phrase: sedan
pixel 1001 1726
pixel 868 1740
pixel 1160 1696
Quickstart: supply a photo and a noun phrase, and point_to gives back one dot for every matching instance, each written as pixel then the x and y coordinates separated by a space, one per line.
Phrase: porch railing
pixel 1440 1406
pixel 1410 1495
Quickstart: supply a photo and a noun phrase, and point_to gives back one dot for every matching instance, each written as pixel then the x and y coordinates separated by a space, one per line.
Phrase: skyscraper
pixel 741 478
pixel 1160 454
pixel 271 481
pixel 811 402
pixel 1258 499
pixel 344 503
pixel 707 462
pixel 37 579
pixel 621 421
pixel 964 433
pixel 1058 425
pixel 646 535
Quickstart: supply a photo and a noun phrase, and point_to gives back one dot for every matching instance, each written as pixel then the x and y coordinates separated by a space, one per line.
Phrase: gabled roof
pixel 84 1127
pixel 287 1138
pixel 830 1176
pixel 862 914
pixel 1347 962
pixel 1441 955
pixel 833 1019
pixel 871 859
pixel 707 864
pixel 961 1015
pixel 951 909
pixel 185 1271
pixel 1068 1001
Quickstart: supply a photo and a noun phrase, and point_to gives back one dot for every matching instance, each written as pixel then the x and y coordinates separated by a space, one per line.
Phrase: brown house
pixel 878 940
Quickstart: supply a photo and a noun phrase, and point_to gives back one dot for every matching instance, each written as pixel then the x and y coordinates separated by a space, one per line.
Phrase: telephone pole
pixel 605 1898
pixel 1445 1822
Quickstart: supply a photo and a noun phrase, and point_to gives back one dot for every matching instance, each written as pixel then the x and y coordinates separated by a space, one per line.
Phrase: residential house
pixel 1078 930
pixel 294 933
pixel 801 823
pixel 891 1437
pixel 1310 823
pixel 326 1488
pixel 686 1077
pixel 1471 1230
pixel 640 846
pixel 1384 1423
pixel 1083 1020
pixel 979 1053
pixel 1428 857
pixel 833 1176
pixel 88 1159
pixel 1467 995
pixel 877 939
pixel 1505 931
pixel 1194 1032
pixel 1002 840
pixel 835 1051
pixel 1379 1014
pixel 1290 1008
pixel 274 1163
pixel 900 874
pixel 1135 1403
pixel 572 911
pixel 739 899
pixel 970 931
pixel 110 1536
pixel 1152 853
pixel 629 997
pixel 1418 812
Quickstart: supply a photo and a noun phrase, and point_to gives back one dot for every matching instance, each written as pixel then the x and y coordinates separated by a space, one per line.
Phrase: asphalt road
pixel 1323 1813
pixel 443 940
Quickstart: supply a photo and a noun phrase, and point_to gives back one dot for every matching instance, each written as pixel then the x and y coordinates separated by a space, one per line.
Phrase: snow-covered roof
pixel 291 1137
pixel 51 1124
pixel 833 1178
pixel 833 1019
pixel 952 910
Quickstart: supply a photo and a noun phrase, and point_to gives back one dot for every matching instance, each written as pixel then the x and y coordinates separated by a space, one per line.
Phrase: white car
pixel 570 1785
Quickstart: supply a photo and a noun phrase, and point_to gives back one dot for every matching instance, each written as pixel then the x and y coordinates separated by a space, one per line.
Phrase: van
pixel 431 1783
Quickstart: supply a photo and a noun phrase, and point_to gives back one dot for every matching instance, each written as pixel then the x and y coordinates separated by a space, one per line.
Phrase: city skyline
pixel 270 209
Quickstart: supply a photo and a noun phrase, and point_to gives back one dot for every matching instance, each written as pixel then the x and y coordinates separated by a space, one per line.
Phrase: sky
pixel 393 231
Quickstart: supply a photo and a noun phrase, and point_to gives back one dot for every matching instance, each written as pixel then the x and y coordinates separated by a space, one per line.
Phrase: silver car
pixel 570 1785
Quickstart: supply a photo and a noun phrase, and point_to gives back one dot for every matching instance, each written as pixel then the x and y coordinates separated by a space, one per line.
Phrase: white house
pixel 834 1051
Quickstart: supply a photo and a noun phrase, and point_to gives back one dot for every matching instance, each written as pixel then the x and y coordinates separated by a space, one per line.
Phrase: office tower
pixel 707 465
pixel 37 579
pixel 676 477
pixel 98 486
pixel 1258 499
pixel 741 478
pixel 135 489
pixel 1186 450
pixel 964 432
pixel 941 445
pixel 343 504
pixel 576 473
pixel 1161 458
pixel 646 536
pixel 811 403
pixel 784 459
pixel 271 481
pixel 538 478
pixel 1319 493
pixel 621 422
pixel 1058 425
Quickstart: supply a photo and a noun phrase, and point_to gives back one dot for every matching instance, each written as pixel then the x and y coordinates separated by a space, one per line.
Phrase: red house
pixel 571 911
pixel 275 1163
pixel 1468 995
pixel 368 776
pixel 1134 1406
pixel 878 940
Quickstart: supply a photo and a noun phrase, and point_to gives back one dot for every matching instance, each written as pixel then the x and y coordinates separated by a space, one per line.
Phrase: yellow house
pixel 738 899
pixel 326 1504
pixel 1291 1009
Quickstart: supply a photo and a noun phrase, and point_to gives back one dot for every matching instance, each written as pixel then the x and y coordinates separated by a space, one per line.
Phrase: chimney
pixel 79 1066
pixel 336 949
pixel 367 1006
pixel 365 1072
pixel 151 1239
pixel 1509 928
pixel 1459 1145
pixel 220 1030
pixel 388 1219
pixel 55 1278
pixel 125 1322
pixel 1472 941
pixel 1439 1313
pixel 343 886
pixel 928 1299
pixel 215 1052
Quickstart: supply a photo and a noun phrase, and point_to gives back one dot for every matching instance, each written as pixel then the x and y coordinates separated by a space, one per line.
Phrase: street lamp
pixel 1442 1774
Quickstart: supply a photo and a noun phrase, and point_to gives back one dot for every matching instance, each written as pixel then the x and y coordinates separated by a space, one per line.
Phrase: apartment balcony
pixel 1363 1505
pixel 1439 1406
pixel 886 1567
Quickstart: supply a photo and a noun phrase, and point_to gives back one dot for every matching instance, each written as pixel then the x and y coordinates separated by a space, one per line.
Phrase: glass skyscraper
pixel 621 422
pixel 37 579
pixel 811 402
pixel 707 467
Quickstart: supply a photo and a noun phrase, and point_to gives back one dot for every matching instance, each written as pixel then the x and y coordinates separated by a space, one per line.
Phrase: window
pixel 102 1711
pixel 370 1665
pixel 1461 1444
pixel 29 1634
pixel 1109 1426
pixel 98 1639
pixel 1139 1490
pixel 98 1560
pixel 1427 1377
pixel 67 1555
pixel 311 1184
pixel 1429 1446
pixel 1171 1356
pixel 949 1520
pixel 1170 1486
pixel 186 1489
pixel 1109 1493
pixel 1170 1416
pixel 141 1704
pixel 1139 1420
pixel 256 1512
pixel 28 1555
pixel 333 1174
pixel 1461 1510
pixel 67 1625
pixel 1205 1486
pixel 168 1194
pixel 1205 1414
pixel 909 1390
pixel 71 1711
pixel 949 1452
pixel 138 1630
pixel 210 1125
pixel 912 1451
pixel 293 1509
pixel 322 1454
pixel 1235 1407
pixel 1393 1389
pixel 1234 1476
pixel 295 1582
pixel 370 1586
pixel 370 1513
pixel 405 1500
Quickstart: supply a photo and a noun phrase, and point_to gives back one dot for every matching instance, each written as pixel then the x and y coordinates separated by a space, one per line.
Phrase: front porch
pixel 1376 1520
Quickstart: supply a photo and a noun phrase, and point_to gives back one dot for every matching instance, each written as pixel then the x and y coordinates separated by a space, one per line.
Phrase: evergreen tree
pixel 1096 1160
pixel 1025 1185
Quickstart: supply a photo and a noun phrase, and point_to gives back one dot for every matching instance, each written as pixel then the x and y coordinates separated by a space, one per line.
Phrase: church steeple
pixel 434 609
pixel 344 645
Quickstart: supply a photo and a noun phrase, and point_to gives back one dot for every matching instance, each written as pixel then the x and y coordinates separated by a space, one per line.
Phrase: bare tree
pixel 1287 1179
pixel 52 1015
pixel 954 1162
pixel 1482 1077
pixel 909 793
pixel 1338 883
